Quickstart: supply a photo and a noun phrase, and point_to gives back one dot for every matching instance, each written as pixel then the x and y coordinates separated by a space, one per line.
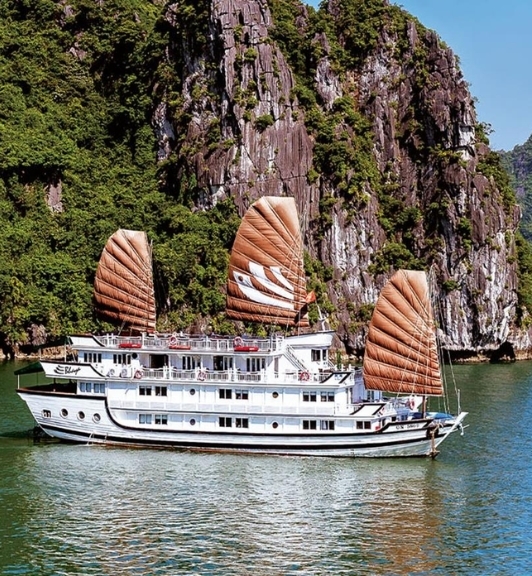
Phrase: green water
pixel 94 511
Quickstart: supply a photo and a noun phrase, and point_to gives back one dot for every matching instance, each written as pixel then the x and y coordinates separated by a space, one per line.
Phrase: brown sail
pixel 401 353
pixel 123 288
pixel 266 281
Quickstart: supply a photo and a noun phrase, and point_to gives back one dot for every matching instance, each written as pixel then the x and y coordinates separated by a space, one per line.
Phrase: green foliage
pixel 491 166
pixel 524 291
pixel 392 257
pixel 262 122
pixel 75 107
pixel 518 165
pixel 192 256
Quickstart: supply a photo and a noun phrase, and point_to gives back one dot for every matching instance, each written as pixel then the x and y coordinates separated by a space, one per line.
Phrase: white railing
pixel 177 342
pixel 320 409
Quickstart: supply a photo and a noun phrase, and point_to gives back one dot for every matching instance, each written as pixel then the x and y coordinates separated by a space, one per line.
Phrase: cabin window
pixel 222 363
pixel 144 418
pixel 145 390
pixel 327 396
pixel 242 394
pixel 92 357
pixel 225 422
pixel 99 388
pixel 85 387
pixel 225 393
pixel 326 424
pixel 310 396
pixel 363 425
pixel 309 425
pixel 161 391
pixel 255 364
pixel 46 414
pixel 242 422
pixel 319 355
pixel 189 362
pixel 122 358
pixel 158 361
pixel 161 419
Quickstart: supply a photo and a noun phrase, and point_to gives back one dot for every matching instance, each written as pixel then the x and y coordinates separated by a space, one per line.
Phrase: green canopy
pixel 30 369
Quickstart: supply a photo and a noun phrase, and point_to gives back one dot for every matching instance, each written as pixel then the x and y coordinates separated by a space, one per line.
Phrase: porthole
pixel 275 394
pixel 81 415
pixel 96 418
pixel 275 425
pixel 46 414
pixel 192 422
pixel 64 412
pixel 134 355
pixel 192 392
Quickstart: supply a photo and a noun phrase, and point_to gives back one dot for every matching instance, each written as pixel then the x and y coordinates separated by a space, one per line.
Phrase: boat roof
pixel 30 369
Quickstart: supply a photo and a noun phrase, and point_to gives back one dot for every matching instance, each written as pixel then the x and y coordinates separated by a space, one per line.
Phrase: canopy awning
pixel 30 369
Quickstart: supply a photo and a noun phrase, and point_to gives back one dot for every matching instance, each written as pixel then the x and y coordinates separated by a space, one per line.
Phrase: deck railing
pixel 198 344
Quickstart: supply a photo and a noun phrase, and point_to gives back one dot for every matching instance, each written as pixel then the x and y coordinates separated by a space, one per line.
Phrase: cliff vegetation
pixel 172 117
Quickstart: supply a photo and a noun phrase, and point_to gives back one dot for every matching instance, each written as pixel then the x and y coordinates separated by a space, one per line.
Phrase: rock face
pixel 243 131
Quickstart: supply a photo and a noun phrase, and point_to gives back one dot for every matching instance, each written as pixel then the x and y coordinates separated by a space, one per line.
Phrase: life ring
pixel 202 374
pixel 411 403
pixel 173 339
pixel 123 373
pixel 304 376
pixel 237 342
pixel 111 373
pixel 138 374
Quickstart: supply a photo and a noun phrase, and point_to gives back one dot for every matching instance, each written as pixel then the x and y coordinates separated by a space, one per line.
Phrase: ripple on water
pixel 93 511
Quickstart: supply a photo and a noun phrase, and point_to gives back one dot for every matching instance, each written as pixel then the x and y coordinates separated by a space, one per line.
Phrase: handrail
pixel 295 360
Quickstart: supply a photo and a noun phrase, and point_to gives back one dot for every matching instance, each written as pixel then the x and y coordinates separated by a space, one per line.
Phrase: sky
pixel 493 40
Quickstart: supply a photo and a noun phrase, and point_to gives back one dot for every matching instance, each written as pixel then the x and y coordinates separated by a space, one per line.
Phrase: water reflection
pixel 89 510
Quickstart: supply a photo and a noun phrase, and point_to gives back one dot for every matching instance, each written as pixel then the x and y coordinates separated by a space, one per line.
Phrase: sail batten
pixel 266 281
pixel 123 287
pixel 401 353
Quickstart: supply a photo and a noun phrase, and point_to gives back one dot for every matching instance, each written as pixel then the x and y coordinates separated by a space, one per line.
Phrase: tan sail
pixel 123 288
pixel 401 353
pixel 266 281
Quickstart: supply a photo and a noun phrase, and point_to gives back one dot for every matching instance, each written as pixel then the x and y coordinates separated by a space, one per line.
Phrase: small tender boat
pixel 275 395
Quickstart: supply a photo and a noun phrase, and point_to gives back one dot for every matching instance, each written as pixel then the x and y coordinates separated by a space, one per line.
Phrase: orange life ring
pixel 202 374
pixel 138 374
pixel 173 339
pixel 304 376
pixel 237 342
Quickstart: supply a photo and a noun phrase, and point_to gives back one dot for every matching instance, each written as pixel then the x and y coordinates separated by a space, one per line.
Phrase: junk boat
pixel 279 394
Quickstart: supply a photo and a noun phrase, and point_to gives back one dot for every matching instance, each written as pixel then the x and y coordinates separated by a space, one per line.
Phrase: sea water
pixel 76 509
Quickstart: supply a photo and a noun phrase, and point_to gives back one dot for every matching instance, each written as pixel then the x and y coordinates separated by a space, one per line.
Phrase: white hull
pixel 398 440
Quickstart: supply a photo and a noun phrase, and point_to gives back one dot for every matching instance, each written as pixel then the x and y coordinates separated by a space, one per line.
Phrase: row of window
pixel 158 419
pixel 159 390
pixel 324 396
pixel 229 422
pixel 238 394
pixel 223 421
pixel 227 394
pixel 97 387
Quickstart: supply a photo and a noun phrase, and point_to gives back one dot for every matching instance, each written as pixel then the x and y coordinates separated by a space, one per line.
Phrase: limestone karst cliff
pixel 149 114
pixel 364 116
